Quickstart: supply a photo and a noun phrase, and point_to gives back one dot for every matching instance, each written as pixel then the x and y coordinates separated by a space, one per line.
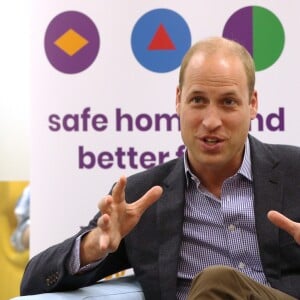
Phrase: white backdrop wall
pixel 14 96
pixel 115 86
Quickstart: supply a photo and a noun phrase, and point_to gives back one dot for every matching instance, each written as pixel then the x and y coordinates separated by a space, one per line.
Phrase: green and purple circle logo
pixel 259 31
pixel 71 42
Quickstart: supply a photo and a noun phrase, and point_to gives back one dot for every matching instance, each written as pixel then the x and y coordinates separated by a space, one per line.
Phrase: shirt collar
pixel 244 170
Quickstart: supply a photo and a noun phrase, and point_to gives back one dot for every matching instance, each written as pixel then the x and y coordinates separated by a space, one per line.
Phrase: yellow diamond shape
pixel 71 42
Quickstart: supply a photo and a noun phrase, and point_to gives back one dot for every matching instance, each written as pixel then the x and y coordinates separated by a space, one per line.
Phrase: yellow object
pixel 71 42
pixel 12 263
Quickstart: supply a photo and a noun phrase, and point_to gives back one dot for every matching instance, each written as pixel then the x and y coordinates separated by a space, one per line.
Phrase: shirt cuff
pixel 73 265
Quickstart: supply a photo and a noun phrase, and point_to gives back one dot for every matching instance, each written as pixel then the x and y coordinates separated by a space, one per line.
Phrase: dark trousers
pixel 225 283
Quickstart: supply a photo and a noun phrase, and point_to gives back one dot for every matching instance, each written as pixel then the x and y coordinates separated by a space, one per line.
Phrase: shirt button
pixel 242 265
pixel 231 227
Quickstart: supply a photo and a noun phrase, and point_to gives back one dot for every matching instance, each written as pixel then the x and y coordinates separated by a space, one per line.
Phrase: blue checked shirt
pixel 219 231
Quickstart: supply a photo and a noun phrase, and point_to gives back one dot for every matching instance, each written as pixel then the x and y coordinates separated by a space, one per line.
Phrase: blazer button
pixel 48 281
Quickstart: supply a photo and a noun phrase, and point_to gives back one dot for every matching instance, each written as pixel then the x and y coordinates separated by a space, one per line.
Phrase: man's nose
pixel 212 118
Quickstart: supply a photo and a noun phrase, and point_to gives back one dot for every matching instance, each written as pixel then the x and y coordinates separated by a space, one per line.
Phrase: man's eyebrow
pixel 229 93
pixel 197 92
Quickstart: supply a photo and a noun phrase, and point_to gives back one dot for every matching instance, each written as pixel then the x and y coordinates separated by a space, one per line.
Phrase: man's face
pixel 215 110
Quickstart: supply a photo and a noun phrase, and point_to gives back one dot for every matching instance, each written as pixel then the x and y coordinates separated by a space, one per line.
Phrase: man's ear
pixel 253 105
pixel 178 99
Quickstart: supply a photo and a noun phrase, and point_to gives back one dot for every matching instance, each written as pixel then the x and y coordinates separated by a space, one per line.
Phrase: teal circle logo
pixel 260 31
pixel 159 40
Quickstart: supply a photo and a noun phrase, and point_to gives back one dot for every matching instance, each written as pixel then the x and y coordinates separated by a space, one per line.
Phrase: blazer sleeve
pixel 47 271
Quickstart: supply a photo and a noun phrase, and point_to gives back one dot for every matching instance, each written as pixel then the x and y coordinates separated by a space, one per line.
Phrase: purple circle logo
pixel 71 42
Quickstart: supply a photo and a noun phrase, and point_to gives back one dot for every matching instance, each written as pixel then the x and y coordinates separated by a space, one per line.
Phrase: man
pixel 205 213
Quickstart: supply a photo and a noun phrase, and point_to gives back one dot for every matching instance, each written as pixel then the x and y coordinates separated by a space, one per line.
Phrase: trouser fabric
pixel 226 283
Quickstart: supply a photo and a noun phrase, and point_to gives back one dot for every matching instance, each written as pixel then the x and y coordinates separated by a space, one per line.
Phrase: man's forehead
pixel 218 54
pixel 214 63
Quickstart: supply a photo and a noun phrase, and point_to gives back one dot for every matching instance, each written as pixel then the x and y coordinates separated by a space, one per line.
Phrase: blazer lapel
pixel 170 222
pixel 267 195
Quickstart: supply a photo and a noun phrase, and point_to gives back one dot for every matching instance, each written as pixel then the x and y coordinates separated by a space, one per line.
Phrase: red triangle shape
pixel 161 40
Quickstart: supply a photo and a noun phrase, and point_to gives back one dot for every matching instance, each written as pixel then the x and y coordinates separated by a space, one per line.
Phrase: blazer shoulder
pixel 155 175
pixel 139 183
pixel 288 154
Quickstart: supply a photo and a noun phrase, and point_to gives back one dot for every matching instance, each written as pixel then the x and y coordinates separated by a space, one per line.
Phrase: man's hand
pixel 281 221
pixel 117 219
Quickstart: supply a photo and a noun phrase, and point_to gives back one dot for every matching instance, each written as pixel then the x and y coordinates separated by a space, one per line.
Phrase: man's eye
pixel 197 100
pixel 229 102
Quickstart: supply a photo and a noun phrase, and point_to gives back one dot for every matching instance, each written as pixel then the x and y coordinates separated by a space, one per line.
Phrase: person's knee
pixel 216 282
pixel 217 274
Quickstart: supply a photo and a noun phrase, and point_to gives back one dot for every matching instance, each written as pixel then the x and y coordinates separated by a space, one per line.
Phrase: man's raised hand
pixel 117 219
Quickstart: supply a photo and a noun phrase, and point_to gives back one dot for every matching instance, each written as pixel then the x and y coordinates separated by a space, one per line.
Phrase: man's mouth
pixel 211 141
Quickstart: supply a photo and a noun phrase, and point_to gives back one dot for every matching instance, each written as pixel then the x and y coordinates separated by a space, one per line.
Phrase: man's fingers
pixel 118 192
pixel 105 204
pixel 104 222
pixel 282 222
pixel 148 199
pixel 104 242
